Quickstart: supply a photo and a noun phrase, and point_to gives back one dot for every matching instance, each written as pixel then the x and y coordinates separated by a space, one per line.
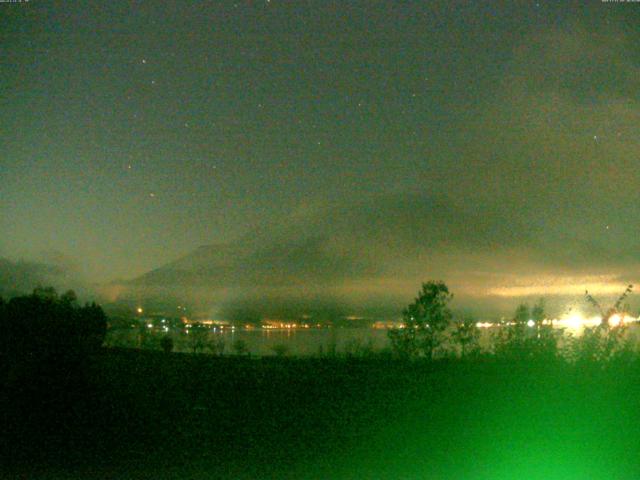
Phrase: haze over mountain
pixel 370 257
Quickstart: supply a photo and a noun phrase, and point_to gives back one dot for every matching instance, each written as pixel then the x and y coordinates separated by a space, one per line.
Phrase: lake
pixel 300 341
pixel 312 341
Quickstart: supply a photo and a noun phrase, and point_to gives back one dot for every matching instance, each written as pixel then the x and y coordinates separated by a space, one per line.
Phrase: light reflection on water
pixel 315 341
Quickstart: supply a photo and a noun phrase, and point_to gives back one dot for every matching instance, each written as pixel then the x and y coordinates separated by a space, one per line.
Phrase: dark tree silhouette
pixel 45 325
pixel 46 347
pixel 467 335
pixel 615 309
pixel 606 341
pixel 528 335
pixel 166 344
pixel 425 321
pixel 510 338
pixel 544 342
pixel 198 337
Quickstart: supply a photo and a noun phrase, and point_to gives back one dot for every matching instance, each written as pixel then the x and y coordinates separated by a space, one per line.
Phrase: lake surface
pixel 301 342
pixel 312 341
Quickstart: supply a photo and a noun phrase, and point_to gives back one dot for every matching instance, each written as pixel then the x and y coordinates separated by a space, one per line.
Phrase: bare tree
pixel 611 311
pixel 604 342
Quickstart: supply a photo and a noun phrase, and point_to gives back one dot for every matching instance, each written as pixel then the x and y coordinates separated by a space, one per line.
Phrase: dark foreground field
pixel 151 415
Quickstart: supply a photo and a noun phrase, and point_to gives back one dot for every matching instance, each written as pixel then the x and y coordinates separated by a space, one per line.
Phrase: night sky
pixel 322 149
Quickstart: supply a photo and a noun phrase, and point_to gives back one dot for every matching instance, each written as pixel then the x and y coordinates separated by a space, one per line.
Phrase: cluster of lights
pixel 283 325
pixel 574 321
pixel 484 324
pixel 577 321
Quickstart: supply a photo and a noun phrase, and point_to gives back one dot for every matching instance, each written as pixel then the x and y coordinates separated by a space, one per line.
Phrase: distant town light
pixel 531 323
pixel 484 324
pixel 577 321
pixel 615 320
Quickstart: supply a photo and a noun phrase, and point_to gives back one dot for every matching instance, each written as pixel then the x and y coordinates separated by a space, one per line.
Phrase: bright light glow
pixel 139 309
pixel 576 321
pixel 484 324
pixel 615 320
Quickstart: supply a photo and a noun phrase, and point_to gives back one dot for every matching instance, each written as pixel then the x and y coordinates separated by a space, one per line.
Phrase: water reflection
pixel 323 341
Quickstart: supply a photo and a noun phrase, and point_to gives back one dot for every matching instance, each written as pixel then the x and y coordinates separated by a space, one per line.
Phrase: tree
pixel 615 309
pixel 537 313
pixel 166 344
pixel 510 338
pixel 606 341
pixel 43 324
pixel 425 321
pixel 466 334
pixel 198 337
pixel 46 345
pixel 69 298
pixel 92 324
pixel 216 345
pixel 528 335
pixel 45 293
pixel 544 341
pixel 358 348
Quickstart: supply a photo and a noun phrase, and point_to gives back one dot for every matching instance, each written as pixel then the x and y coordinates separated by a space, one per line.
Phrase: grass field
pixel 136 414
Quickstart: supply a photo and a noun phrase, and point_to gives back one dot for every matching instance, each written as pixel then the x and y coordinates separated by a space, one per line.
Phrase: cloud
pixel 372 256
pixel 18 277
pixel 554 142
pixel 535 194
